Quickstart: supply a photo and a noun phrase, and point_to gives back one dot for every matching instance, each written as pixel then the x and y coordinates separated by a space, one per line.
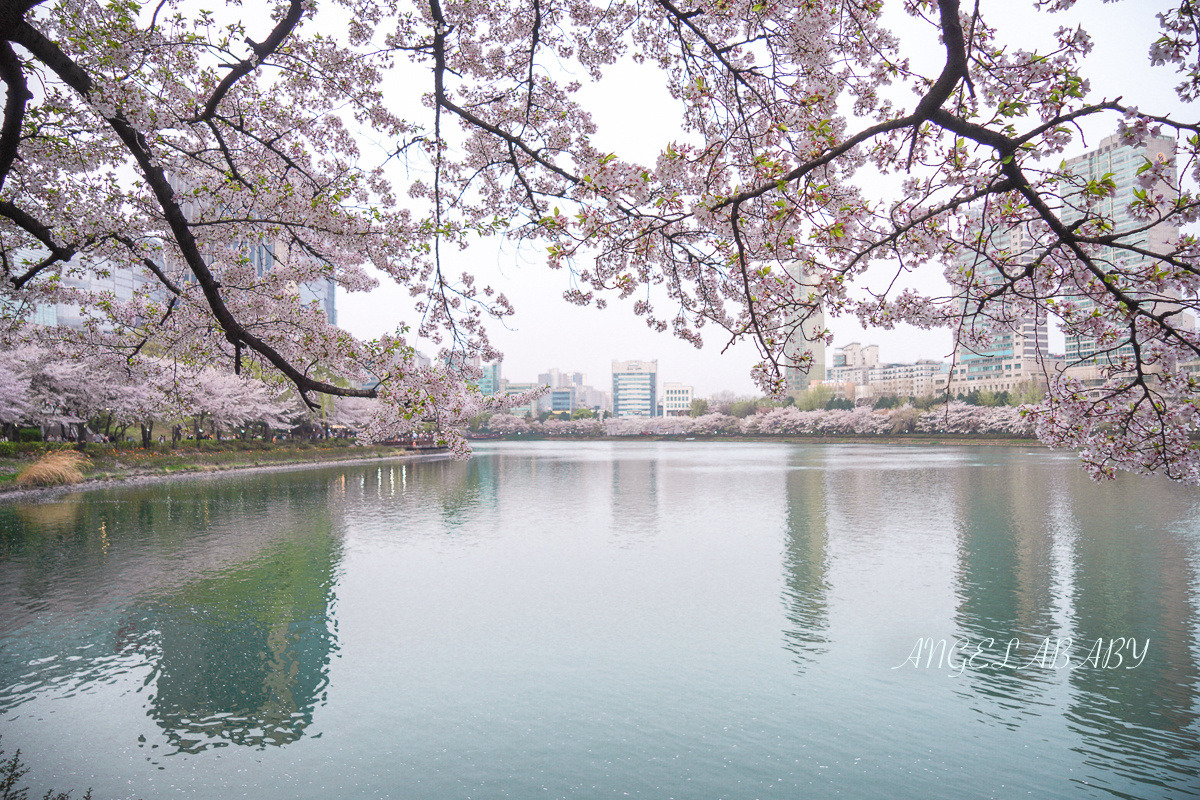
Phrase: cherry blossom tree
pixel 48 388
pixel 506 424
pixel 225 400
pixel 180 140
pixel 961 418
pixel 354 412
pixel 15 394
pixel 572 427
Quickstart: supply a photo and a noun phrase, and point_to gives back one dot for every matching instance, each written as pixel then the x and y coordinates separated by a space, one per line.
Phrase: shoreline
pixel 201 472
pixel 207 471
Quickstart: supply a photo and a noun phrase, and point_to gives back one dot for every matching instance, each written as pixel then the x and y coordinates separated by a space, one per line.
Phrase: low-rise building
pixel 908 380
pixel 677 399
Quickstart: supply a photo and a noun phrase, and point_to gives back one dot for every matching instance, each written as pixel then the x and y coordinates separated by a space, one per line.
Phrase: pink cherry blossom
pixel 180 144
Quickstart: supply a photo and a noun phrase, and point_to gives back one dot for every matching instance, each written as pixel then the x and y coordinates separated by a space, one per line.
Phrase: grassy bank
pixel 106 462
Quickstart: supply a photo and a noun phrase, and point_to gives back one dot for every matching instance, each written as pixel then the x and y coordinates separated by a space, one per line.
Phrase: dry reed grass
pixel 58 468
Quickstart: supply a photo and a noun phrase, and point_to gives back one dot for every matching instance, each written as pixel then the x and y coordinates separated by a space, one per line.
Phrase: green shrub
pixel 8 449
pixel 29 435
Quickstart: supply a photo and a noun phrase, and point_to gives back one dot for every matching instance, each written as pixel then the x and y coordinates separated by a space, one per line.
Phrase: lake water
pixel 612 620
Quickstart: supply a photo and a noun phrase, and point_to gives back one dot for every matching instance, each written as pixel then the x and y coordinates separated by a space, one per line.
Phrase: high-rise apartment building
pixel 795 346
pixel 999 349
pixel 1122 162
pixel 922 379
pixel 635 388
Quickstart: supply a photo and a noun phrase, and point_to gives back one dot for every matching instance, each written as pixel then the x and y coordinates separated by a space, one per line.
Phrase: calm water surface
pixel 674 620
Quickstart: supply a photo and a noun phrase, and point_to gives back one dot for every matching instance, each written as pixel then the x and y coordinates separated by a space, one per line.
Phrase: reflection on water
pixel 219 593
pixel 242 656
pixel 806 557
pixel 1135 576
pixel 1006 585
pixel 604 620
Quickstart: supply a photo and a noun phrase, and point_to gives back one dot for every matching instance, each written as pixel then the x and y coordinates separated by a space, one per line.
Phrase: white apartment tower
pixel 852 363
pixel 1011 348
pixel 806 338
pixel 1122 162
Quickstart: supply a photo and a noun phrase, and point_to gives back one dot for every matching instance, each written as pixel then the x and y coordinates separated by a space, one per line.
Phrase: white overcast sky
pixel 635 119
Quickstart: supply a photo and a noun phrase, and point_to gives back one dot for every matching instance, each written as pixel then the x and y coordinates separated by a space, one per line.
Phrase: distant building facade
pixel 852 363
pixel 526 410
pixel 565 394
pixel 999 351
pixel 677 400
pixel 561 400
pixel 635 388
pixel 557 379
pixel 924 378
pixel 595 399
pixel 262 255
pixel 92 276
pixel 491 381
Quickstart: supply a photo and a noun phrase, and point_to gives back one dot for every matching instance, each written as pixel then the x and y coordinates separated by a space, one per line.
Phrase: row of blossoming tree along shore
pixel 955 418
pixel 61 395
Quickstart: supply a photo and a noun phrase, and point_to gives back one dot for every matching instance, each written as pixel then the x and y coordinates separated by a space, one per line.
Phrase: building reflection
pixel 1006 579
pixel 806 557
pixel 242 657
pixel 1133 713
pixel 221 589
pixel 635 494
